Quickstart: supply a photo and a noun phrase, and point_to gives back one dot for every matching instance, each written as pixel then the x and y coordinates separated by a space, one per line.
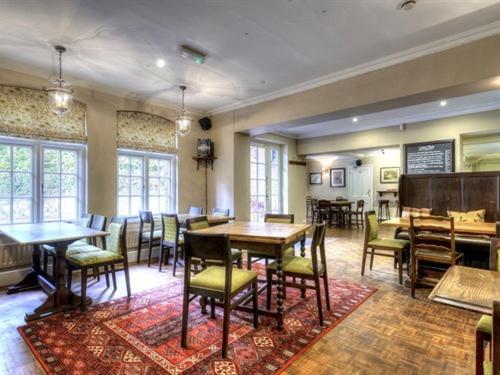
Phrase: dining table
pixel 469 288
pixel 58 235
pixel 267 238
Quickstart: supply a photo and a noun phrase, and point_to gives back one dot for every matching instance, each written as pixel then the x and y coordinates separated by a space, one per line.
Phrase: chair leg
pixel 185 312
pixel 363 260
pixel 255 305
pixel 400 268
pixel 239 263
pixel 176 257
pixel 327 291
pixel 69 276
pixel 318 299
pixel 83 304
pixel 127 277
pixel 372 255
pixel 150 251
pixel 413 276
pixel 225 328
pixel 269 280
pixel 249 262
pixel 479 352
pixel 45 260
pixel 212 308
pixel 95 273
pixel 160 257
pixel 113 275
pixel 106 274
pixel 139 251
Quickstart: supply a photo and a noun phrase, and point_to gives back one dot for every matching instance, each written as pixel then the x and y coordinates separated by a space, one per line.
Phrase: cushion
pixel 300 265
pixel 485 324
pixel 72 250
pixel 476 216
pixel 389 242
pixel 281 220
pixel 373 225
pixel 74 245
pixel 156 235
pixel 199 225
pixel 113 241
pixel 213 278
pixel 415 212
pixel 487 368
pixel 94 257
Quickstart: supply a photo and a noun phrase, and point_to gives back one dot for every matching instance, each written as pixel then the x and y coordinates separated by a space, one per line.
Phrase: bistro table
pixel 59 235
pixel 468 288
pixel 269 238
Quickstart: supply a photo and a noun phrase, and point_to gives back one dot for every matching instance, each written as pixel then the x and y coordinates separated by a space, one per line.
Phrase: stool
pixel 383 210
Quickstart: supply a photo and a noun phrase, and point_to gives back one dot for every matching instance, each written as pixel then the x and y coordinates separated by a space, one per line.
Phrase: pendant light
pixel 60 97
pixel 183 122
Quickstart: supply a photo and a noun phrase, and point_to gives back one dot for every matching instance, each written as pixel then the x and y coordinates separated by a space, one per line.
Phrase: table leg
pixel 30 281
pixel 303 254
pixel 280 299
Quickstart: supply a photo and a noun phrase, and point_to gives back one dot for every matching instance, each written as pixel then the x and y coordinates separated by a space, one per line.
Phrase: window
pixel 41 181
pixel 146 181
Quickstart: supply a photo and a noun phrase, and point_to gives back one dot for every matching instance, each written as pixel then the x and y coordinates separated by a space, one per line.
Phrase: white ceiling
pixel 255 47
pixel 480 102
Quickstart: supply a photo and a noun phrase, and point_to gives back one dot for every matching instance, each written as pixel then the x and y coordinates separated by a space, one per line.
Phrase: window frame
pixel 146 156
pixel 37 147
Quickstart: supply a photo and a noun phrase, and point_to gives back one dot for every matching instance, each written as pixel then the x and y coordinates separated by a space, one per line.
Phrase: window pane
pixel 261 187
pixel 275 172
pixel 69 186
pixel 262 154
pixel 164 186
pixel 69 162
pixel 136 186
pixel 261 170
pixel 253 170
pixel 51 160
pixel 123 165
pixel 136 167
pixel 164 168
pixel 164 204
pixel 123 183
pixel 51 184
pixel 22 184
pixel 253 154
pixel 51 209
pixel 4 184
pixel 22 159
pixel 154 167
pixel 123 207
pixel 154 186
pixel 21 209
pixel 154 204
pixel 4 157
pixel 135 205
pixel 253 187
pixel 69 208
pixel 4 211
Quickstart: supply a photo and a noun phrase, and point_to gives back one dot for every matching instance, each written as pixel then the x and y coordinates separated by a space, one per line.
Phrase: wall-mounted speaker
pixel 205 123
pixel 359 162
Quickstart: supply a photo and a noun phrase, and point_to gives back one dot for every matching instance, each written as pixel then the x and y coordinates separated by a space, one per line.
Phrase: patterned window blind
pixel 146 132
pixel 24 112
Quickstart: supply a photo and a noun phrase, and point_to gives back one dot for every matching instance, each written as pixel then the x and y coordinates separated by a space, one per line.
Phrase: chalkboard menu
pixel 430 157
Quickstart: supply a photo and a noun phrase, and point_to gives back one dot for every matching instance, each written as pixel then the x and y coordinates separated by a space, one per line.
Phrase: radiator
pixel 12 255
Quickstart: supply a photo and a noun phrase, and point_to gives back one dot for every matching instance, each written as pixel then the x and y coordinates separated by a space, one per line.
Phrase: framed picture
pixel 337 177
pixel 315 178
pixel 389 175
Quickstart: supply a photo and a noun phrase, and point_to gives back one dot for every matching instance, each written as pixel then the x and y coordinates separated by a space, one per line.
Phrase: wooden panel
pixel 417 193
pixel 481 192
pixel 445 195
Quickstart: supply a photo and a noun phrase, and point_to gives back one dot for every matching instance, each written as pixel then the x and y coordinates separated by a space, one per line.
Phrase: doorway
pixel 360 184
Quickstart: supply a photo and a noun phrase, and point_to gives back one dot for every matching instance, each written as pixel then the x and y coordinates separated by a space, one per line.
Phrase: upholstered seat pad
pixel 94 257
pixel 300 265
pixel 214 278
pixel 82 242
pixel 156 235
pixel 255 254
pixel 73 250
pixel 389 242
pixel 485 324
pixel 487 368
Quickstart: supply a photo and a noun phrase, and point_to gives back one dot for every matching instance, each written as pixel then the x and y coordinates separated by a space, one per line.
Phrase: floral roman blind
pixel 145 131
pixel 25 112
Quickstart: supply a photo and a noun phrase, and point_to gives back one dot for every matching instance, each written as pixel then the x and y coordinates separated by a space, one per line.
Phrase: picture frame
pixel 389 175
pixel 337 177
pixel 316 178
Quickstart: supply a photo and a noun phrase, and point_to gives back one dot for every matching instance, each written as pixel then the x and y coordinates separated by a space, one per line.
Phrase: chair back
pixel 170 228
pixel 117 239
pixel 195 210
pixel 434 233
pixel 99 223
pixel 314 203
pixel 197 223
pixel 220 212
pixel 86 220
pixel 371 231
pixel 360 205
pixel 340 199
pixel 146 217
pixel 318 242
pixel 279 218
pixel 494 254
pixel 323 204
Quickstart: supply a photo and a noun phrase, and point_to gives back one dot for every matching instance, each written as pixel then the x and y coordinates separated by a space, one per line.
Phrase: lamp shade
pixel 60 100
pixel 183 124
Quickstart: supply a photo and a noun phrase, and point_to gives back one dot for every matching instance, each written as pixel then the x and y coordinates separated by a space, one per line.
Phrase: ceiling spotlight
pixel 354 119
pixel 407 4
pixel 190 53
pixel 443 103
pixel 160 63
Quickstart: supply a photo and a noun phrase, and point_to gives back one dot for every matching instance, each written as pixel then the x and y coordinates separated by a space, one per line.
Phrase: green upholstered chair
pixel 313 268
pixel 224 212
pixel 171 238
pixel 116 253
pixel 375 245
pixel 222 282
pixel 484 326
pixel 491 366
pixel 271 218
pixel 147 234
pixel 201 223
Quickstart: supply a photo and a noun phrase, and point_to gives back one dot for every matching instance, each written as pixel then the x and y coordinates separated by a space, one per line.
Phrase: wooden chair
pixel 313 268
pixel 193 210
pixel 387 247
pixel 359 213
pixel 484 326
pixel 116 253
pixel 271 218
pixel 151 237
pixel 326 212
pixel 432 240
pixel 315 211
pixel 171 238
pixel 308 207
pixel 492 366
pixel 215 282
pixel 220 212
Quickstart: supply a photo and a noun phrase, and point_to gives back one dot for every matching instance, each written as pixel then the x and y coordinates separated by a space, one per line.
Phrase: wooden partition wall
pixel 452 191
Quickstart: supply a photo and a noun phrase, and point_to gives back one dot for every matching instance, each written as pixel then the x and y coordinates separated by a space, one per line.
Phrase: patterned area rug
pixel 142 335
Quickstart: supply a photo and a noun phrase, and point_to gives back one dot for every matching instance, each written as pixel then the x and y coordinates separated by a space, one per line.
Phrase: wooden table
pixel 469 288
pixel 212 220
pixel 268 238
pixel 59 235
pixel 487 229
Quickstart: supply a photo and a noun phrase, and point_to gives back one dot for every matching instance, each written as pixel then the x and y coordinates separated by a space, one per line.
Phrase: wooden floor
pixel 390 333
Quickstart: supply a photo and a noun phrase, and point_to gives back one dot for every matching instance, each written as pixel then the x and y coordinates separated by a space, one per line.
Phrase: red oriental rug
pixel 142 335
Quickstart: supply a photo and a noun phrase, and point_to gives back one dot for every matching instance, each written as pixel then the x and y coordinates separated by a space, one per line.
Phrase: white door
pixel 265 180
pixel 360 184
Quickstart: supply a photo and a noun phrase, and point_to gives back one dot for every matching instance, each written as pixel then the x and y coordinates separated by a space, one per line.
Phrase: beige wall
pixel 101 146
